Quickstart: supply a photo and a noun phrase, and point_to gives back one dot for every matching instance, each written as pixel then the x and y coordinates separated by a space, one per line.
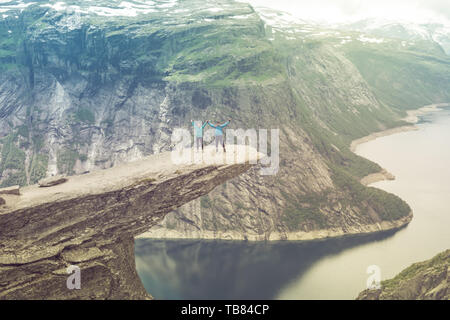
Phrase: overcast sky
pixel 349 10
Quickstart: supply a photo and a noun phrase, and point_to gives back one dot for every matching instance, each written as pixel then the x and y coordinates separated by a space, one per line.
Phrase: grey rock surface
pixel 52 181
pixel 90 222
pixel 13 190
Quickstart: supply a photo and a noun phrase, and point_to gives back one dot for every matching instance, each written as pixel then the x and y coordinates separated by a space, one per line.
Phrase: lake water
pixel 327 269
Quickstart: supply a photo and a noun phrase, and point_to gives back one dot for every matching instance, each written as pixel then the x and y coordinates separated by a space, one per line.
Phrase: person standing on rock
pixel 218 133
pixel 198 132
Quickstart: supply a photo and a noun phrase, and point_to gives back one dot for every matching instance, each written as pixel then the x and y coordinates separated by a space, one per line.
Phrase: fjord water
pixel 327 269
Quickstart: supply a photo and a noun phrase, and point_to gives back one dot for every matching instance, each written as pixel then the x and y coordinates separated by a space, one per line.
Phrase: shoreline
pixel 412 117
pixel 379 134
pixel 377 177
pixel 287 236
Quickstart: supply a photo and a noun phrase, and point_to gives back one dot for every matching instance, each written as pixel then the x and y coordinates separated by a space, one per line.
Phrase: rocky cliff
pixel 427 280
pixel 86 87
pixel 90 222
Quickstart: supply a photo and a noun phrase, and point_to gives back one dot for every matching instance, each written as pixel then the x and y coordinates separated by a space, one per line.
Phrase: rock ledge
pixel 91 221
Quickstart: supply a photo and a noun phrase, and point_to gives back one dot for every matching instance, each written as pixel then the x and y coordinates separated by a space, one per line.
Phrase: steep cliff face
pixel 87 87
pixel 427 280
pixel 90 222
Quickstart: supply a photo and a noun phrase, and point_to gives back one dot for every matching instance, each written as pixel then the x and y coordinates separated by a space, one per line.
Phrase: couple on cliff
pixel 218 133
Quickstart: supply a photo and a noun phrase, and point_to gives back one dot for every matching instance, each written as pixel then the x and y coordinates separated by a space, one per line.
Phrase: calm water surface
pixel 329 269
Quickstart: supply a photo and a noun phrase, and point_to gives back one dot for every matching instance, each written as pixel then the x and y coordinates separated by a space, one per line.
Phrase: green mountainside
pixel 427 280
pixel 86 87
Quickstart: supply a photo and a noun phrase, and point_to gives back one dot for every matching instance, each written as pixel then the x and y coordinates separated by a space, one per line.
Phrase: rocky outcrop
pixel 52 181
pixel 427 280
pixel 376 177
pixel 91 221
pixel 14 190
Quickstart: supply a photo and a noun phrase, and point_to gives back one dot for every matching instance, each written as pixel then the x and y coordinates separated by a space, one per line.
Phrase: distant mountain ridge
pixel 437 32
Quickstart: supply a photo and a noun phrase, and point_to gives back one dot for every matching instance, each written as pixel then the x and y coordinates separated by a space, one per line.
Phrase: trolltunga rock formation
pixel 91 221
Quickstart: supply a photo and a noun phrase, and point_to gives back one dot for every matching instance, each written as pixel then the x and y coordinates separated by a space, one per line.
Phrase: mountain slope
pixel 427 280
pixel 407 31
pixel 86 87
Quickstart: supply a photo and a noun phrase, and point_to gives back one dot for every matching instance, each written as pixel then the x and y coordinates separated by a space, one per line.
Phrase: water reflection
pixel 189 269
